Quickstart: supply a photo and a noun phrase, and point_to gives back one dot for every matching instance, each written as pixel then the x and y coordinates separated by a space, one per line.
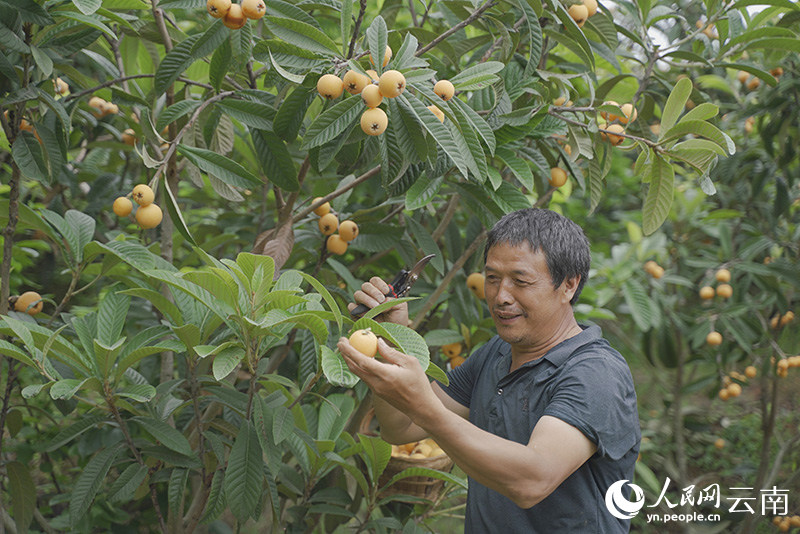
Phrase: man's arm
pixel 526 474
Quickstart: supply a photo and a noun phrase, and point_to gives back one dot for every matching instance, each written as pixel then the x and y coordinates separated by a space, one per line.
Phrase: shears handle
pixel 398 288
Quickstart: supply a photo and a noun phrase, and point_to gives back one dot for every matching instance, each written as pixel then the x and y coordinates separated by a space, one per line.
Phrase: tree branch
pixel 466 22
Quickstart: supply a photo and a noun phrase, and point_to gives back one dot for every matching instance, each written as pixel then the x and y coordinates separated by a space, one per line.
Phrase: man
pixel 543 417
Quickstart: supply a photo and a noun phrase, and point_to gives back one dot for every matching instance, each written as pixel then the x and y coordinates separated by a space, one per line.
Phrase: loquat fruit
pixel 444 89
pixel 322 209
pixel 143 195
pixel 723 394
pixel 149 216
pixel 438 112
pixel 734 390
pixel 374 121
pixel 608 115
pixel 234 18
pixel 650 266
pixel 392 83
pixel 366 342
pixel 714 339
pixel 579 14
pixel 456 361
pixel 29 302
pixel 723 275
pixel 122 206
pixel 615 129
pixel 336 245
pixel 787 318
pixel 253 9
pixel 658 272
pixel 60 86
pixel 328 224
pixel 725 291
pixel 719 443
pixel 355 82
pixel 330 86
pixel 348 230
pixel 558 177
pixel 591 7
pixel 372 96
pixel 129 137
pixel 387 55
pixel 629 113
pixel 559 101
pixel 750 371
pixel 777 72
pixel 753 84
pixel 218 8
pixel 774 323
pixel 707 292
pixel 742 76
pixel 372 74
pixel 475 283
pixel 451 350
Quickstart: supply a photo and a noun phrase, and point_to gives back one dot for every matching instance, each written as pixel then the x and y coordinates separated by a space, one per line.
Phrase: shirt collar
pixel 561 352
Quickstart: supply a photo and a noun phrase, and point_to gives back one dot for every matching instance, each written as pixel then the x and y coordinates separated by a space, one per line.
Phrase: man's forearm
pixel 396 426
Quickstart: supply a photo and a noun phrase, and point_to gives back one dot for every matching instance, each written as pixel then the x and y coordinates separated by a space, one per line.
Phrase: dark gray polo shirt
pixel 582 381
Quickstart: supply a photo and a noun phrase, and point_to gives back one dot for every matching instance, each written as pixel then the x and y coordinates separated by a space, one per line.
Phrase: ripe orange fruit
pixel 149 216
pixel 734 390
pixel 707 292
pixel 787 318
pixel 110 109
pixel 579 14
pixel 234 18
pixel 438 112
pixel 725 291
pixel 714 339
pixel 723 275
pixel 750 371
pixel 392 83
pixel 778 72
pixel 774 323
pixel 122 206
pixel 253 9
pixel 753 84
pixel 742 76
pixel 348 230
pixel 719 443
pixel 374 121
pixel 143 195
pixel 354 82
pixel 607 115
pixel 444 89
pixel 616 129
pixel 60 86
pixel 322 209
pixel 658 272
pixel 328 224
pixel 330 86
pixel 629 113
pixel 129 137
pixel 475 283
pixel 387 55
pixel 559 101
pixel 365 342
pixel 591 6
pixel 218 8
pixel 650 266
pixel 456 361
pixel 558 177
pixel 723 394
pixel 451 350
pixel 29 302
pixel 372 74
pixel 371 96
pixel 336 245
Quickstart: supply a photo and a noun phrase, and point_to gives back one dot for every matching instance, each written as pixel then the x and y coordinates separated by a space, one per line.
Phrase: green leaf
pixel 175 212
pixel 426 243
pixel 124 488
pixel 87 7
pixel 519 167
pixel 335 369
pixel 478 123
pixel 276 161
pixel 67 388
pixel 139 393
pixel 111 316
pixel 215 504
pixel 409 342
pixel 638 303
pixel 220 166
pixel 66 435
pixel 12 41
pixel 302 35
pixel 165 434
pixel 27 153
pixel 226 361
pixel 326 295
pixel 220 63
pixel 88 20
pixel 253 114
pixel 175 112
pixel 289 117
pixel 42 61
pixel 436 372
pixel 376 38
pixel 699 128
pixel 30 11
pixel 244 476
pixel 23 494
pixel 176 488
pixel 378 452
pixel 791 44
pixel 675 103
pixel 426 472
pixel 477 76
pixel 13 351
pixel 659 195
pixel 534 36
pixel 285 74
pixel 422 192
pixel 89 481
pixel 333 121
pixel 159 301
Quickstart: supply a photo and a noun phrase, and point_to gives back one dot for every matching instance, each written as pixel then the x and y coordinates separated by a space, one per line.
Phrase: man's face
pixel 527 311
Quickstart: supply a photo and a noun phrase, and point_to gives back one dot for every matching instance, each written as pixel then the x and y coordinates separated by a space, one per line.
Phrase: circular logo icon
pixel 618 505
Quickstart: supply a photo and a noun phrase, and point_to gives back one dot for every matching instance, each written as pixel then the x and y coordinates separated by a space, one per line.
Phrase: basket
pixel 419 487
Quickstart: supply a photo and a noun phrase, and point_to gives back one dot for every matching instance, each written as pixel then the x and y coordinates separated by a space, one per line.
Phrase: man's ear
pixel 569 286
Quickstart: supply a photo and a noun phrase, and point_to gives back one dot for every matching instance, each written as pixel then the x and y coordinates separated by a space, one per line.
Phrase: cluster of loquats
pixel 751 83
pixel 582 10
pixel 148 215
pixel 24 125
pixel 778 321
pixel 101 108
pixel 329 224
pixel 475 283
pixel 29 302
pixel 453 353
pixel 785 522
pixel 427 448
pixel 613 123
pixel 653 269
pixel 373 88
pixel 732 382
pixel 234 16
pixel 784 364
pixel 723 290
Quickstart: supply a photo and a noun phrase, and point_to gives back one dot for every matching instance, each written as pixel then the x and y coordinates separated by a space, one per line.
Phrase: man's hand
pixel 373 293
pixel 400 381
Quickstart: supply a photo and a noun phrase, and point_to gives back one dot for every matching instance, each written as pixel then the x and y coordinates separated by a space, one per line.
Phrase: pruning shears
pixel 401 284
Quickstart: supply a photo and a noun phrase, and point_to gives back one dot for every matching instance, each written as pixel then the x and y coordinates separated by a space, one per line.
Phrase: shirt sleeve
pixel 463 378
pixel 597 397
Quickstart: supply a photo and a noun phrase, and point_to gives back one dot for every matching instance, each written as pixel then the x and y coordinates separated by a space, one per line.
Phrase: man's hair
pixel 562 241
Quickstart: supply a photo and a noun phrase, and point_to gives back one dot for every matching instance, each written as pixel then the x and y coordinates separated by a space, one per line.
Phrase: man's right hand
pixel 373 293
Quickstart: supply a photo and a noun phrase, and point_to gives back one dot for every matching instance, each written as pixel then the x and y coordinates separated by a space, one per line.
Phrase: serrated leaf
pixel 226 361
pixel 675 103
pixel 220 166
pixel 165 434
pixel 639 304
pixel 253 114
pixel 376 38
pixel 89 481
pixel 27 154
pixel 73 431
pixel 175 112
pixel 301 34
pixel 335 369
pixel 699 128
pixel 215 504
pixel 276 161
pixel 659 196
pixel 124 488
pixel 244 476
pixel 23 494
pixel 332 122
